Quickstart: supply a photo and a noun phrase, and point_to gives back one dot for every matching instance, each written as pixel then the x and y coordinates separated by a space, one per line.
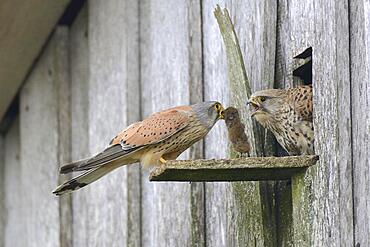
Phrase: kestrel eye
pixel 263 99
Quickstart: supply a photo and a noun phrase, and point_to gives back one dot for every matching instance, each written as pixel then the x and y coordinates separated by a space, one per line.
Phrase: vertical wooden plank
pixel 171 75
pixel 218 195
pixel 360 102
pixel 303 211
pixel 2 192
pixel 40 149
pixel 113 71
pixel 62 77
pixel 107 198
pixel 195 59
pixel 133 100
pixel 295 33
pixel 13 190
pixel 79 60
pixel 332 185
pixel 235 211
pixel 284 213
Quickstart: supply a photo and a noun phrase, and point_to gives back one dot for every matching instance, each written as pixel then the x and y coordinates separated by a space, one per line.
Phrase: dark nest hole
pixel 304 72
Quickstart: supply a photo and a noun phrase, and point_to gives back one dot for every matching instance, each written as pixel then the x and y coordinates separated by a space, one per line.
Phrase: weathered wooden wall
pixel 13 203
pixel 332 183
pixel 39 150
pixel 2 191
pixel 79 69
pixel 170 47
pixel 33 148
pixel 359 12
pixel 122 60
pixel 295 33
pixel 235 208
pixel 105 98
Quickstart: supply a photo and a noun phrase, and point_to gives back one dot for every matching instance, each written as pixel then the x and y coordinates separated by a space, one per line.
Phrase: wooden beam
pixel 25 27
pixel 302 201
pixel 241 169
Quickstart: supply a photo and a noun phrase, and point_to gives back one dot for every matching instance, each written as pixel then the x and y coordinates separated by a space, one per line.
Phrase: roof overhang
pixel 25 27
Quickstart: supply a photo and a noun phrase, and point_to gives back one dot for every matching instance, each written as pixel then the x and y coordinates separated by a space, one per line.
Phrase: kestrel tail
pixel 236 133
pixel 287 113
pixel 160 137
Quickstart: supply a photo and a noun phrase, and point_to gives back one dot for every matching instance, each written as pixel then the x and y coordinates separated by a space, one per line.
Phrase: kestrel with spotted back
pixel 287 113
pixel 160 137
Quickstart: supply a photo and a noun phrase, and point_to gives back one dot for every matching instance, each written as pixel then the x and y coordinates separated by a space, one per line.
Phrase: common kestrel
pixel 160 137
pixel 288 114
pixel 236 133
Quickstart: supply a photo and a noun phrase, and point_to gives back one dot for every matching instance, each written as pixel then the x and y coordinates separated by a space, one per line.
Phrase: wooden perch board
pixel 241 169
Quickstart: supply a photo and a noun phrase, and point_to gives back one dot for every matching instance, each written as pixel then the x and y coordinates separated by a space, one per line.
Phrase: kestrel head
pixel 208 112
pixel 265 104
pixel 231 116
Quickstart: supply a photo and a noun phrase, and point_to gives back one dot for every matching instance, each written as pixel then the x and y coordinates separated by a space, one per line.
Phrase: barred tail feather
pixel 67 168
pixel 110 154
pixel 83 180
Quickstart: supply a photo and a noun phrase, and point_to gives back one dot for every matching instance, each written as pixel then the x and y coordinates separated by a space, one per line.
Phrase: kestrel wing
pixel 111 153
pixel 126 133
pixel 154 129
pixel 301 99
pixel 157 127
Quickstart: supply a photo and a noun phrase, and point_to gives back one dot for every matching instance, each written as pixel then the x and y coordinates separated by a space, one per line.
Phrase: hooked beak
pixel 254 106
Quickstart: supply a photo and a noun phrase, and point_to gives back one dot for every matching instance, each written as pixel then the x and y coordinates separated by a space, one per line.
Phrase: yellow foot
pixel 163 161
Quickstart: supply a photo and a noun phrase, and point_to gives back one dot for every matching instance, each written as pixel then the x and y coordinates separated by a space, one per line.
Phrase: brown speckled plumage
pixel 157 127
pixel 162 136
pixel 288 114
pixel 236 133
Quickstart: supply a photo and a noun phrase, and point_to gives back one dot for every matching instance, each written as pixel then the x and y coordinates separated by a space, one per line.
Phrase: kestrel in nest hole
pixel 287 113
pixel 160 137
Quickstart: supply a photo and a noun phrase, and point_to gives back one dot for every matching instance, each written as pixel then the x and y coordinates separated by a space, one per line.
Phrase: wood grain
pixel 39 146
pixel 112 60
pixel 332 185
pixel 64 127
pixel 360 105
pixel 79 70
pixel 129 59
pixel 172 40
pixel 197 190
pixel 237 207
pixel 242 169
pixel 13 203
pixel 3 213
pixel 295 33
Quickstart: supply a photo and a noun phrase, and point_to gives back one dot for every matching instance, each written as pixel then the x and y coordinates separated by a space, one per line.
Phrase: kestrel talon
pixel 160 137
pixel 287 113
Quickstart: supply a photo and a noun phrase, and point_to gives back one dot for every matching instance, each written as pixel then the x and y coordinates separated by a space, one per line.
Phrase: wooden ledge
pixel 242 169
